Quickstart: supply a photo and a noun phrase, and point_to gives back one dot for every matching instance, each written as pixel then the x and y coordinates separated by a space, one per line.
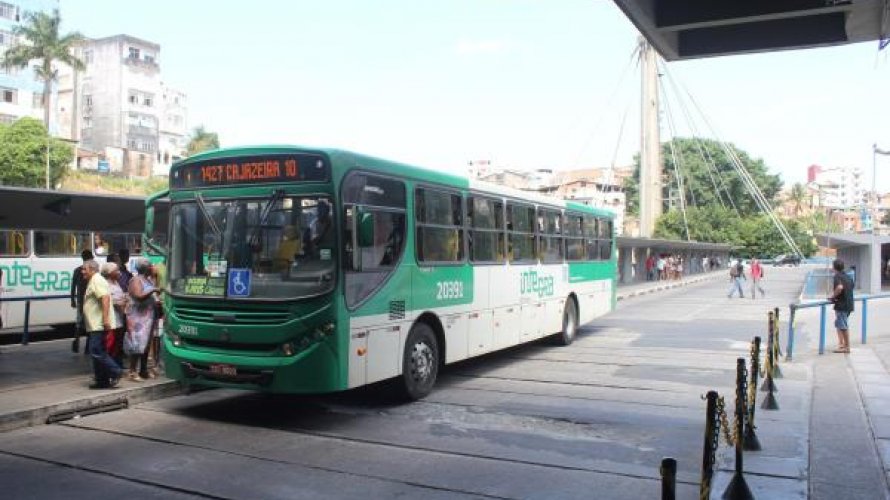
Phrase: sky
pixel 525 84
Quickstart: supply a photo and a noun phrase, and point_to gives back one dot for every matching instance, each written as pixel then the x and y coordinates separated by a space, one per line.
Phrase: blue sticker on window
pixel 239 283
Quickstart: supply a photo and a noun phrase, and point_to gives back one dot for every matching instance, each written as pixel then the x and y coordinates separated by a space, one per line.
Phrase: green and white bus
pixel 298 270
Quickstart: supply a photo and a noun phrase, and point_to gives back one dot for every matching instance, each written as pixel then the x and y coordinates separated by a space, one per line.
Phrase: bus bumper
pixel 311 371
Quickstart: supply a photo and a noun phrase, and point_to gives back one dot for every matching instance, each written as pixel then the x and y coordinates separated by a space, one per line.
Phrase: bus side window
pixel 13 243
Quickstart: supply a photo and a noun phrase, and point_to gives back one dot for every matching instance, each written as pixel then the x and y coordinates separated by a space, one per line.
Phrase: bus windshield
pixel 281 247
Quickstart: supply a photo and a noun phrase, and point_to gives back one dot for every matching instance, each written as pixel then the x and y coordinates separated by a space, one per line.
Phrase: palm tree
pixel 799 198
pixel 43 42
pixel 202 140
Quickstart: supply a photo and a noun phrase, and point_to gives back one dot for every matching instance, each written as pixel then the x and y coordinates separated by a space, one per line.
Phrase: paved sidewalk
pixel 45 381
pixel 646 287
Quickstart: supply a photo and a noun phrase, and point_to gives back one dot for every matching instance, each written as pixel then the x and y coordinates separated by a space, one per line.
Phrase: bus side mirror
pixel 366 229
pixel 150 223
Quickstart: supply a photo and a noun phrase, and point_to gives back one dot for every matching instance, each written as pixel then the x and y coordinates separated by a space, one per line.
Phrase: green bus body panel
pixel 323 366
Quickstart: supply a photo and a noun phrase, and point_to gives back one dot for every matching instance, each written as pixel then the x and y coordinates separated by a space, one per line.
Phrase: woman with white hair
pixel 140 319
pixel 111 272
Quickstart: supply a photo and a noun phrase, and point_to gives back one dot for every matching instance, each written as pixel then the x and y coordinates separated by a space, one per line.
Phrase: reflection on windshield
pixel 275 248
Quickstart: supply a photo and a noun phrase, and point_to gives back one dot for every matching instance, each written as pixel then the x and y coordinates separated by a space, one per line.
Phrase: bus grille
pixel 230 346
pixel 254 317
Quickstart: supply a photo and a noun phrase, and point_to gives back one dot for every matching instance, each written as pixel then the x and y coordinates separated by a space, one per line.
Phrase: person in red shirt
pixel 756 276
pixel 650 268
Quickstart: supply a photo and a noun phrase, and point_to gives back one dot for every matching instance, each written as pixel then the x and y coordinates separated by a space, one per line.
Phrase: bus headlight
pixel 175 340
pixel 287 348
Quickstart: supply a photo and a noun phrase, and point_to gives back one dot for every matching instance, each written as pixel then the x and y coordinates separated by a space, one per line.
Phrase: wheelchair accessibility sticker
pixel 239 283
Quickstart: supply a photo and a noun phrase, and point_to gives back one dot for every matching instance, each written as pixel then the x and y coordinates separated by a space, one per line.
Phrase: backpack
pixel 734 272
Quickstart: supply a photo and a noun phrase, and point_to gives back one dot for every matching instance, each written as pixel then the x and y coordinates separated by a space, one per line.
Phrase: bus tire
pixel 569 323
pixel 420 363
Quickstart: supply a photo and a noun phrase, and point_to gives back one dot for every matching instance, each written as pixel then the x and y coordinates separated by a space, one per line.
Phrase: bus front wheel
pixel 569 323
pixel 420 363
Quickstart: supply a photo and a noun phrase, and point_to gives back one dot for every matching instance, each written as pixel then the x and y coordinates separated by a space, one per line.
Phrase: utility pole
pixel 650 142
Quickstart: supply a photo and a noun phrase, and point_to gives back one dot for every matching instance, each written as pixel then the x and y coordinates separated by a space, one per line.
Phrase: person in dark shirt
pixel 123 265
pixel 78 288
pixel 842 297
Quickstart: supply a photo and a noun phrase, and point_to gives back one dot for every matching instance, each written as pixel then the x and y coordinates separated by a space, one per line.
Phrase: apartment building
pixel 21 92
pixel 837 187
pixel 119 108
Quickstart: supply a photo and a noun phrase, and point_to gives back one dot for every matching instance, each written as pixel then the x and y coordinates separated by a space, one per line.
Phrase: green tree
pixel 202 140
pixel 23 154
pixel 709 177
pixel 799 198
pixel 42 42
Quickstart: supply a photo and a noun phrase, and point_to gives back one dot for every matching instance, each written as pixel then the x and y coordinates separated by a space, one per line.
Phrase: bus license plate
pixel 227 370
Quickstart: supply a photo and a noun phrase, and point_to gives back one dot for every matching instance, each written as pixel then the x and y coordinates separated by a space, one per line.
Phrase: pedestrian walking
pixel 98 319
pixel 842 298
pixel 756 278
pixel 78 288
pixel 736 275
pixel 650 268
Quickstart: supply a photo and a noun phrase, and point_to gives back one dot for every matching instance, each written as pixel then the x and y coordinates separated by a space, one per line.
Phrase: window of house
pixel 574 236
pixel 520 232
pixel 87 122
pixel 88 100
pixel 133 98
pixel 373 233
pixel 439 226
pixel 147 100
pixel 5 38
pixel 550 242
pixel 485 217
pixel 8 95
pixel 9 11
pixel 149 58
pixel 133 53
pixel 132 144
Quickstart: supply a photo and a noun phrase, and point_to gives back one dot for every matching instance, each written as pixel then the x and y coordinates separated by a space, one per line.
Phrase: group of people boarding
pixel 120 314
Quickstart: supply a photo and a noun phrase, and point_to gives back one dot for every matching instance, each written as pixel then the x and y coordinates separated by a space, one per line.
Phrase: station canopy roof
pixel 659 244
pixel 846 240
pixel 689 29
pixel 24 208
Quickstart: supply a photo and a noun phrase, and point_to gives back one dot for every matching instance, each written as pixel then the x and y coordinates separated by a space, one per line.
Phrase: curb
pixel 659 288
pixel 105 401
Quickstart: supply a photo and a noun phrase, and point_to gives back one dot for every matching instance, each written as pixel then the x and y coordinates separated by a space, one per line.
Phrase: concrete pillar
pixel 626 263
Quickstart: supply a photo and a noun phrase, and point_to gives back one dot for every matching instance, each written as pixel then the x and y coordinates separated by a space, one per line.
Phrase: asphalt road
pixel 592 420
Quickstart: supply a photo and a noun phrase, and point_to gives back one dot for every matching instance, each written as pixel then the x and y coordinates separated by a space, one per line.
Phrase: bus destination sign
pixel 241 170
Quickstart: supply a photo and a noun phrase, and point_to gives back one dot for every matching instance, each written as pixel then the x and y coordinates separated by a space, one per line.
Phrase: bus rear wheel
pixel 569 323
pixel 420 363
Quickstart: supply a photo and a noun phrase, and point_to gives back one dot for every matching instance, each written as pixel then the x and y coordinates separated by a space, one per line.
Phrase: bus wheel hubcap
pixel 422 361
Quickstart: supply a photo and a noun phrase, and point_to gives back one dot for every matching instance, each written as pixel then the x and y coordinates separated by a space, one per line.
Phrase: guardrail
pixel 822 304
pixel 27 301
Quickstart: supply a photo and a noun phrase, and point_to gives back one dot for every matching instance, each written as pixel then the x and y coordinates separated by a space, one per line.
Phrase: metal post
pixel 822 313
pixel 778 341
pixel 773 322
pixel 751 441
pixel 668 478
pixel 738 487
pixel 27 322
pixel 710 447
pixel 864 319
pixel 790 349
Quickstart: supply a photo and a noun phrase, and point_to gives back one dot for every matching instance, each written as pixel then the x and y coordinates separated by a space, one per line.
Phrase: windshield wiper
pixel 210 222
pixel 277 195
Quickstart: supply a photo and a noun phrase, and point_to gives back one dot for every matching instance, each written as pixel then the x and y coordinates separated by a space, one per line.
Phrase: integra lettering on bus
pixel 531 282
pixel 23 274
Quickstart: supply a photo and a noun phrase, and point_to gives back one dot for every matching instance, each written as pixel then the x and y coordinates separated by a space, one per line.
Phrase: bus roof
pixel 351 159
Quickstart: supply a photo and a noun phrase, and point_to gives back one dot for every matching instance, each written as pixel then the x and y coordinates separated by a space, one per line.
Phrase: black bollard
pixel 774 326
pixel 778 342
pixel 668 478
pixel 712 439
pixel 752 443
pixel 768 384
pixel 769 402
pixel 738 488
